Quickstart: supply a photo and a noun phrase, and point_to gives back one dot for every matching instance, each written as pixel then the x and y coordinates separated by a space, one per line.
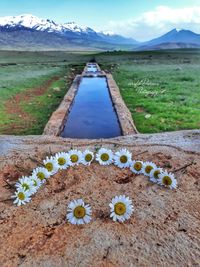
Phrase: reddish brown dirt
pixel 163 231
pixel 14 110
pixel 139 109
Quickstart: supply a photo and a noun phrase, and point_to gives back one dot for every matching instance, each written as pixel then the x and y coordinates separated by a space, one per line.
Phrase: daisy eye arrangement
pixel 78 213
pixel 121 208
pixel 27 186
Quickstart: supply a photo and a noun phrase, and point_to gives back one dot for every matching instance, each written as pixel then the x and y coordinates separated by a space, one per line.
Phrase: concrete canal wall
pixel 58 119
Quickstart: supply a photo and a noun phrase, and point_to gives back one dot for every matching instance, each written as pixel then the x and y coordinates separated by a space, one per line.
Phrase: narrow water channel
pixel 92 68
pixel 92 114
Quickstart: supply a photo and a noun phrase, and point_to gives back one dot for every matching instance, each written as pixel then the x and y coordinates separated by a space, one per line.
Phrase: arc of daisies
pixel 26 186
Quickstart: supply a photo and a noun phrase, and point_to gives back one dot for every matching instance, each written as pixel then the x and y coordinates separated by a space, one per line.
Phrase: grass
pixel 161 98
pixel 20 82
pixel 160 88
pixel 42 107
pixel 24 57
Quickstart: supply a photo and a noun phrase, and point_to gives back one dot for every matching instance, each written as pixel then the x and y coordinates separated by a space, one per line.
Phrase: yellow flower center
pixel 167 180
pixel 25 186
pixel 104 157
pixel 137 166
pixel 21 196
pixel 79 212
pixel 49 166
pixel 74 158
pixel 61 161
pixel 35 183
pixel 120 208
pixel 123 159
pixel 156 173
pixel 88 157
pixel 41 175
pixel 148 169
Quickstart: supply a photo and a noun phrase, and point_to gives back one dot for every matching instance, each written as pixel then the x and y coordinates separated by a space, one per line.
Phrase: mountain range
pixel 28 32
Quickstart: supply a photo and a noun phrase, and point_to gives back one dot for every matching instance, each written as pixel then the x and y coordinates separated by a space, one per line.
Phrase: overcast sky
pixel 139 19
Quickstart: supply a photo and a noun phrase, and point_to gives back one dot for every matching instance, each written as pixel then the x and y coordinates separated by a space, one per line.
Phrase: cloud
pixel 154 23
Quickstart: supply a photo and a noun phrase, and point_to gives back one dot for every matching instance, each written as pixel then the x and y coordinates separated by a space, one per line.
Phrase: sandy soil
pixel 163 231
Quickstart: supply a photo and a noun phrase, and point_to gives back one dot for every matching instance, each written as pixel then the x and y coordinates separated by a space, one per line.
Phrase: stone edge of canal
pixel 57 120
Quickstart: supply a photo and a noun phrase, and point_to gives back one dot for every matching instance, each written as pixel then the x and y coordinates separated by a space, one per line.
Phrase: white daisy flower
pixel 79 212
pixel 51 165
pixel 147 167
pixel 104 156
pixel 167 179
pixel 41 173
pixel 21 197
pixel 63 160
pixel 87 157
pixel 75 156
pixel 154 174
pixel 136 166
pixel 25 183
pixel 122 158
pixel 36 182
pixel 121 208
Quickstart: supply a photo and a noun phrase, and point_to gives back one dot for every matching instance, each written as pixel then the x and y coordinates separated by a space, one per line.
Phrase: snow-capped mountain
pixel 35 23
pixel 30 32
pixel 71 32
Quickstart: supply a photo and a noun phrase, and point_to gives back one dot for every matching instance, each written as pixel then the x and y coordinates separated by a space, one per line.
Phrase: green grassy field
pixel 161 89
pixel 158 103
pixel 32 85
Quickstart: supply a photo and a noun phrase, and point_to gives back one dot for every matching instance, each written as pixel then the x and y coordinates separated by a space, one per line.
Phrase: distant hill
pixel 173 40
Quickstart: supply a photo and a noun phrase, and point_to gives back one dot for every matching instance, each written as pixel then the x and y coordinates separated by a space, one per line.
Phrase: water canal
pixel 92 114
pixel 92 68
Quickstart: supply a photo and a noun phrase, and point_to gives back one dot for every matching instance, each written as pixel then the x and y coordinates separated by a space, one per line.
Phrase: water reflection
pixel 92 114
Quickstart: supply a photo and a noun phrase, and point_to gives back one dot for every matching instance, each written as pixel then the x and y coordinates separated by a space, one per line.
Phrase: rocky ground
pixel 163 231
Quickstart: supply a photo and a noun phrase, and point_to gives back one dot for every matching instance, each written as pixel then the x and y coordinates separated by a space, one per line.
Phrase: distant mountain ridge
pixel 177 38
pixel 28 32
pixel 69 34
pixel 32 22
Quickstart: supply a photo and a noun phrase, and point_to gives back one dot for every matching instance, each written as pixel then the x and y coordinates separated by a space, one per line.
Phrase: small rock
pixel 56 89
pixel 147 116
pixel 178 68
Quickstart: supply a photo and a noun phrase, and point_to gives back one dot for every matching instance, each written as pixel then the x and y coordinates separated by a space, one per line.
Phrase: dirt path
pixel 14 110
